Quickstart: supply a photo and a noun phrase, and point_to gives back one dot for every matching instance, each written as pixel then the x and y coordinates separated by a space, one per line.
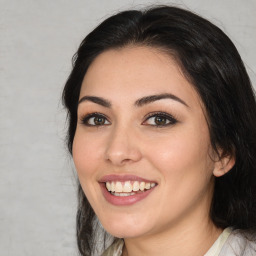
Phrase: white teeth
pixel 142 186
pixel 113 186
pixel 126 188
pixel 123 194
pixel 119 187
pixel 136 186
pixel 147 186
pixel 108 185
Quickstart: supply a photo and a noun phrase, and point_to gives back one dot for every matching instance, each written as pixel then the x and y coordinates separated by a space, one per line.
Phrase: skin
pixel 174 218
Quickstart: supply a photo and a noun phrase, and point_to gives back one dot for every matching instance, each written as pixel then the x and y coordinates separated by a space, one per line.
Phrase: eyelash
pixel 86 118
pixel 169 118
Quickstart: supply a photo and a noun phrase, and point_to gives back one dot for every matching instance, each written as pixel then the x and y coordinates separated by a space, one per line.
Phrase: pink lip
pixel 123 200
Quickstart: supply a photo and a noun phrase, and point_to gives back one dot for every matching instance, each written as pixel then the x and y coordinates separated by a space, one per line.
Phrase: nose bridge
pixel 122 146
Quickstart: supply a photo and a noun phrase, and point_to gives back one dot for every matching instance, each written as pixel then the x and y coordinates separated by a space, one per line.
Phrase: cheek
pixel 186 170
pixel 87 153
pixel 183 160
pixel 185 149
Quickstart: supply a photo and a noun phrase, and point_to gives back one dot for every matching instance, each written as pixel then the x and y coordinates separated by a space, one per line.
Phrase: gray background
pixel 37 41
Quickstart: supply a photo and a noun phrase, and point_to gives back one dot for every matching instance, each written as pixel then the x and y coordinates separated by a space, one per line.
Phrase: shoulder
pixel 239 244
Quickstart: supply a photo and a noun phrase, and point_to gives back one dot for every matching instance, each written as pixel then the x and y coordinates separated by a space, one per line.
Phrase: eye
pixel 160 119
pixel 95 120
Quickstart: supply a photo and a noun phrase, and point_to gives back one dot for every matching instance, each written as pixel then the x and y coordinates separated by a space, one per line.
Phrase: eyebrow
pixel 149 99
pixel 98 100
pixel 138 103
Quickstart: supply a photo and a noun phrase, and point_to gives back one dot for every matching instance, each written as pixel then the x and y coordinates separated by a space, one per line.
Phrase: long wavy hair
pixel 212 64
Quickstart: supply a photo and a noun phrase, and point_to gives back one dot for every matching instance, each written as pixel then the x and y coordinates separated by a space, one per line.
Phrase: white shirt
pixel 229 243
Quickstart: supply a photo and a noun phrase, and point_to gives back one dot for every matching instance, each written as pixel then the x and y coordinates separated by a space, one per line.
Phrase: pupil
pixel 99 120
pixel 160 120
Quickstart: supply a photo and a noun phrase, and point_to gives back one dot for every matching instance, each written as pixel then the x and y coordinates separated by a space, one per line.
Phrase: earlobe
pixel 224 165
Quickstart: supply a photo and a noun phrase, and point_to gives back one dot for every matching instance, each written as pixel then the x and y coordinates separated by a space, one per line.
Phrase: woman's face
pixel 142 133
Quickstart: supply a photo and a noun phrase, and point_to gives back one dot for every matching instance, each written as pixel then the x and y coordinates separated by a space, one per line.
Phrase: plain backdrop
pixel 37 41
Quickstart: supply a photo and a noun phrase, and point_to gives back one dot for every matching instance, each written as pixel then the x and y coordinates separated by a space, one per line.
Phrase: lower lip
pixel 124 200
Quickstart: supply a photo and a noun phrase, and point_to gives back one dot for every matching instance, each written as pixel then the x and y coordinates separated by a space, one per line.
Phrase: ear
pixel 223 165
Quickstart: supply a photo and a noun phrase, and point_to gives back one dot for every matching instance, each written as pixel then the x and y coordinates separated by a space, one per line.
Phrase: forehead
pixel 135 72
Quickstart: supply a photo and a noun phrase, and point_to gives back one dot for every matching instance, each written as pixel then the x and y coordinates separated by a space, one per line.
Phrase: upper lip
pixel 115 177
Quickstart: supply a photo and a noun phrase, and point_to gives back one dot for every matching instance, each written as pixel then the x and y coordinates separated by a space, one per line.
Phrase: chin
pixel 124 228
pixel 124 233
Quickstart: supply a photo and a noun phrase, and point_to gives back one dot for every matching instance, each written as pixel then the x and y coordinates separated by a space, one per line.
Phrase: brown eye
pixel 95 120
pixel 99 120
pixel 160 120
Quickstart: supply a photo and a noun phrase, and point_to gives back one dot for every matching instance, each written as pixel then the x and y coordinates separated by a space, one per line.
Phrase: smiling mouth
pixel 128 188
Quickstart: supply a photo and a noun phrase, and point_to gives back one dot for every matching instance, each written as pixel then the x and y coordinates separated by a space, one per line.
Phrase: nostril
pixel 121 149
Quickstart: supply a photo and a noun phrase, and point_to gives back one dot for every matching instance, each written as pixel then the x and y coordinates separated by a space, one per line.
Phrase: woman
pixel 162 121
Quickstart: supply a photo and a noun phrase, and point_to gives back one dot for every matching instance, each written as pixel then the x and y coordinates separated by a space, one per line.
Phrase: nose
pixel 123 147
